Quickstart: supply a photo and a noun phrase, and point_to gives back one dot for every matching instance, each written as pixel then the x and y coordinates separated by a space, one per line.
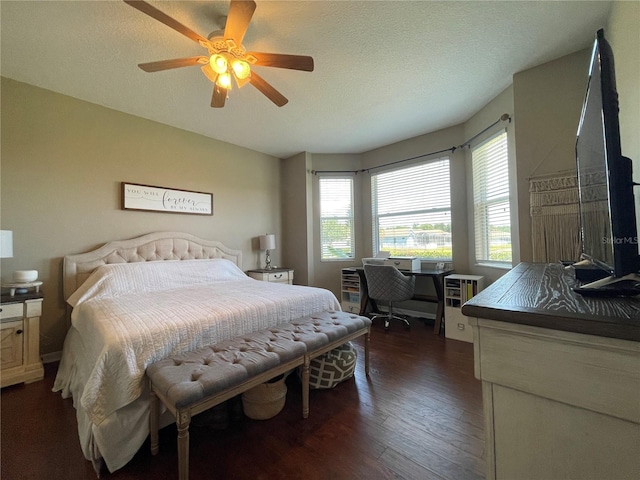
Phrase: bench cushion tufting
pixel 187 378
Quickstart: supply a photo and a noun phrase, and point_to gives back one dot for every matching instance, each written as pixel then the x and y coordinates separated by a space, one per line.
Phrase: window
pixel 336 218
pixel 412 211
pixel 491 201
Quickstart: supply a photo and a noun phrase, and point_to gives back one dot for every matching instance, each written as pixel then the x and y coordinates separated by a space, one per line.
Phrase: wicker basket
pixel 266 400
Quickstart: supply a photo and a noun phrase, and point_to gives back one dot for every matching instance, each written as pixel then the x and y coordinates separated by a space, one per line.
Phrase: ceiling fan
pixel 227 60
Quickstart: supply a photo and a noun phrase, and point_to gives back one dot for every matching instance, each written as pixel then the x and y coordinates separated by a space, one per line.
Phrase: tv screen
pixel 607 210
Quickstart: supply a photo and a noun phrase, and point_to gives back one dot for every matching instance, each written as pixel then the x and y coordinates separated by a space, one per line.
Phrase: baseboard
pixel 51 357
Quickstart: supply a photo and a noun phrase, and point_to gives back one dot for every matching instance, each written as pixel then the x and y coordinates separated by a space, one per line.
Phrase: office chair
pixel 387 283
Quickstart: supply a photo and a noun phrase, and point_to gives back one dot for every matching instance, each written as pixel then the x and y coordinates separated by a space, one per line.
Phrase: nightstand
pixel 20 339
pixel 278 275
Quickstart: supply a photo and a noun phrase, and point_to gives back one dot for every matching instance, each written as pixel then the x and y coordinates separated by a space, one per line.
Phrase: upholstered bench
pixel 192 382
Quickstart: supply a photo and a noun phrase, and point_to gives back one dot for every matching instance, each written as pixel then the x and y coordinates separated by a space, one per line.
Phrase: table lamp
pixel 267 242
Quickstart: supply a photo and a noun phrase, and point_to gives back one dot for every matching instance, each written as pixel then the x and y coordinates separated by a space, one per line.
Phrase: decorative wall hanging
pixel 160 199
pixel 555 217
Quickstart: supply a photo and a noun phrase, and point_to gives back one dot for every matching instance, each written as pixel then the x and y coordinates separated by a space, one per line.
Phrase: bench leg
pixel 183 418
pixel 154 415
pixel 367 344
pixel 305 386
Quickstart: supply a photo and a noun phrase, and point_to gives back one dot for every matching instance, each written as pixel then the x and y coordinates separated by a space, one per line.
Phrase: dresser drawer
pixel 586 371
pixel 11 310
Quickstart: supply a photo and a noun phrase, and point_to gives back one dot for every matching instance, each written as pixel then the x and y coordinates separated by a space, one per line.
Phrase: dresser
pixel 560 377
pixel 20 339
pixel 278 275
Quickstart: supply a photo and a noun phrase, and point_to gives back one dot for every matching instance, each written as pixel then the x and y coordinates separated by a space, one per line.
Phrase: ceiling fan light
pixel 224 80
pixel 218 63
pixel 241 69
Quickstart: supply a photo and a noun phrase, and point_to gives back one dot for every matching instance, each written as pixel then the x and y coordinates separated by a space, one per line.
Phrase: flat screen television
pixel 607 209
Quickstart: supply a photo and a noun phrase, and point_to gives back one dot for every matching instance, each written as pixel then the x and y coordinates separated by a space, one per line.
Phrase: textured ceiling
pixel 385 71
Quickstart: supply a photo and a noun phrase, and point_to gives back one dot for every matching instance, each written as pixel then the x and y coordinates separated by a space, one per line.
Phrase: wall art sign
pixel 168 200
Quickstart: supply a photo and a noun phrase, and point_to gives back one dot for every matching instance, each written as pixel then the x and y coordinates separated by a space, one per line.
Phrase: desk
pixel 560 377
pixel 437 276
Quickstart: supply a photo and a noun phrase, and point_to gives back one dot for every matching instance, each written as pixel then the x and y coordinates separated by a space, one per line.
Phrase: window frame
pixel 350 218
pixel 480 220
pixel 375 216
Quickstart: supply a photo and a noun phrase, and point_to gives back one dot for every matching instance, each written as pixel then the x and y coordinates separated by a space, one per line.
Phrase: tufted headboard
pixel 152 247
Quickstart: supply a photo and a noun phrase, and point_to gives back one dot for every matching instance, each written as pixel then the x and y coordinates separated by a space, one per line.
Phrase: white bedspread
pixel 119 328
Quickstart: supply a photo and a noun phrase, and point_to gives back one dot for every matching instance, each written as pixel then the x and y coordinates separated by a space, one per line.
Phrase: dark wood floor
pixel 418 416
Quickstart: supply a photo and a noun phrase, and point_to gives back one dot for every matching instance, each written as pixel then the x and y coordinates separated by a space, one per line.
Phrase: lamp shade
pixel 268 241
pixel 6 244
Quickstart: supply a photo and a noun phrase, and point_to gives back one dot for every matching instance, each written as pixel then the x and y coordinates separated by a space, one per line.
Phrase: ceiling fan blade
pixel 281 60
pixel 270 92
pixel 219 96
pixel 173 63
pixel 153 12
pixel 240 13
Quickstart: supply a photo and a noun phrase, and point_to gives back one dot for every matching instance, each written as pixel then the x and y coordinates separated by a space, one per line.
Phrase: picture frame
pixel 136 196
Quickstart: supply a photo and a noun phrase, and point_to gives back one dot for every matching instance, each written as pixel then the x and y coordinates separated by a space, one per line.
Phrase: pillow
pixel 118 279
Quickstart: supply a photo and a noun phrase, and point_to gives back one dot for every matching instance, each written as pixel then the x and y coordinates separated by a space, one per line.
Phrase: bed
pixel 137 301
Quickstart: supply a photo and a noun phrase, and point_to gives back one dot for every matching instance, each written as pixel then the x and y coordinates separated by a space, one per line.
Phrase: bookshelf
pixel 350 290
pixel 457 290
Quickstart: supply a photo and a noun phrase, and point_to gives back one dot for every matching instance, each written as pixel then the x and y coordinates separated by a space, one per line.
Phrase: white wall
pixel 296 243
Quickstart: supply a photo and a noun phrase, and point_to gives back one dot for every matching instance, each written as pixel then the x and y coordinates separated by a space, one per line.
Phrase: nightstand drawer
pixel 280 277
pixel 277 275
pixel 11 310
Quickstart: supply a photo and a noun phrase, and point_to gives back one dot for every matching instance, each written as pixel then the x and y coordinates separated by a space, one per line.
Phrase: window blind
pixel 412 210
pixel 492 216
pixel 336 218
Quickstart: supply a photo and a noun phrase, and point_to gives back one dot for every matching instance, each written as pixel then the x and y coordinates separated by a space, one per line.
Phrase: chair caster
pixel 386 325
